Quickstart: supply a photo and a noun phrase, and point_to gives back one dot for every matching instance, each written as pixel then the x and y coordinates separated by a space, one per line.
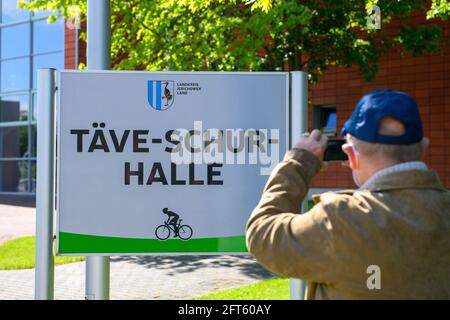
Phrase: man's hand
pixel 316 143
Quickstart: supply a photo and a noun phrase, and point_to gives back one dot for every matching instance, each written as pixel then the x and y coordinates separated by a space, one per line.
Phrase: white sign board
pixel 169 162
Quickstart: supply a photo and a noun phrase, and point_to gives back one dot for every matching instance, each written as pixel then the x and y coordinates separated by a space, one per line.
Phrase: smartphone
pixel 334 152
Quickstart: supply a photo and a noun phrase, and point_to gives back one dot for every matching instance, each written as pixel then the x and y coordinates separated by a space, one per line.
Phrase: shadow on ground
pixel 247 265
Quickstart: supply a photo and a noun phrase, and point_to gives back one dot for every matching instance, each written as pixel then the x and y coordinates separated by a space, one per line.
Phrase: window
pixel 35 106
pixel 14 176
pixel 33 142
pixel 14 142
pixel 27 42
pixel 14 108
pixel 324 119
pixel 12 48
pixel 43 31
pixel 15 75
pixel 11 13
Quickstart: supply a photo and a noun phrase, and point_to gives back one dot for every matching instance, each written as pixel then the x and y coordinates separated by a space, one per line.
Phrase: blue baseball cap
pixel 374 106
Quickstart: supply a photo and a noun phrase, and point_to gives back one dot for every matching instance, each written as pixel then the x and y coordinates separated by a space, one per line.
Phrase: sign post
pixel 45 193
pixel 119 134
pixel 299 125
pixel 98 58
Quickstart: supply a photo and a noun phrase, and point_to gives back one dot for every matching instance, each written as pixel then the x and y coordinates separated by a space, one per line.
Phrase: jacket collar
pixel 411 179
pixel 404 166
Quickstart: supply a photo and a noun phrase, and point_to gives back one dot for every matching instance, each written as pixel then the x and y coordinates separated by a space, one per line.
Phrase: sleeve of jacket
pixel 285 242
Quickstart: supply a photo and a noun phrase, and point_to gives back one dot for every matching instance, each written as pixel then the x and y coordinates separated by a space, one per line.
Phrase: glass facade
pixel 27 43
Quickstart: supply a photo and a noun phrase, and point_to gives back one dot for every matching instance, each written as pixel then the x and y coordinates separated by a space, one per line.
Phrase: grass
pixel 20 254
pixel 271 289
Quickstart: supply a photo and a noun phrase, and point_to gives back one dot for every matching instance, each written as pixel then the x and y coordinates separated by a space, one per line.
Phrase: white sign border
pixel 112 72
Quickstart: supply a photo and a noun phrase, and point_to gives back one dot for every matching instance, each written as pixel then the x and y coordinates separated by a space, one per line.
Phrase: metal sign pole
pixel 299 125
pixel 98 58
pixel 45 193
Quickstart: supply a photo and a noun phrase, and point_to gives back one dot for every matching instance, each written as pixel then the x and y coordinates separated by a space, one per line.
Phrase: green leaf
pixel 264 35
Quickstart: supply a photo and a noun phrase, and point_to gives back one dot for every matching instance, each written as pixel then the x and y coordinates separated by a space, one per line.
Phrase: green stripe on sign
pixel 72 243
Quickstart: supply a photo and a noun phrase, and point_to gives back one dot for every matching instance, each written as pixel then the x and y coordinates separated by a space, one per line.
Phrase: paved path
pixel 16 222
pixel 145 277
pixel 135 277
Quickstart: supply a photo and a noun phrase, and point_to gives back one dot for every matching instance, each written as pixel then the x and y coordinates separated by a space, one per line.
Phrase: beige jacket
pixel 401 224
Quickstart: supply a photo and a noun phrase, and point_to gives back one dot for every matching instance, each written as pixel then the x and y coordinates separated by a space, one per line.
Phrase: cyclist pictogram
pixel 173 225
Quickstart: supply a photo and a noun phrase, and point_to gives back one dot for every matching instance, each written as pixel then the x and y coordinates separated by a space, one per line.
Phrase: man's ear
pixel 426 143
pixel 351 154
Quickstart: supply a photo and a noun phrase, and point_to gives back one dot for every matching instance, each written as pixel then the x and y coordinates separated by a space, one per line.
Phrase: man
pixel 172 219
pixel 390 239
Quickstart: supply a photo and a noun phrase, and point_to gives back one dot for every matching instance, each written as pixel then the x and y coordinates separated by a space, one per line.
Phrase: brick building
pixel 427 78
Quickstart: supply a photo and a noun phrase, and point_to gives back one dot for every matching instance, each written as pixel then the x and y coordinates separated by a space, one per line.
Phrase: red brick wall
pixel 426 78
pixel 70 48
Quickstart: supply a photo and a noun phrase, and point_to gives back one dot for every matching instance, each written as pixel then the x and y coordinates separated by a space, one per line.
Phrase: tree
pixel 265 35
